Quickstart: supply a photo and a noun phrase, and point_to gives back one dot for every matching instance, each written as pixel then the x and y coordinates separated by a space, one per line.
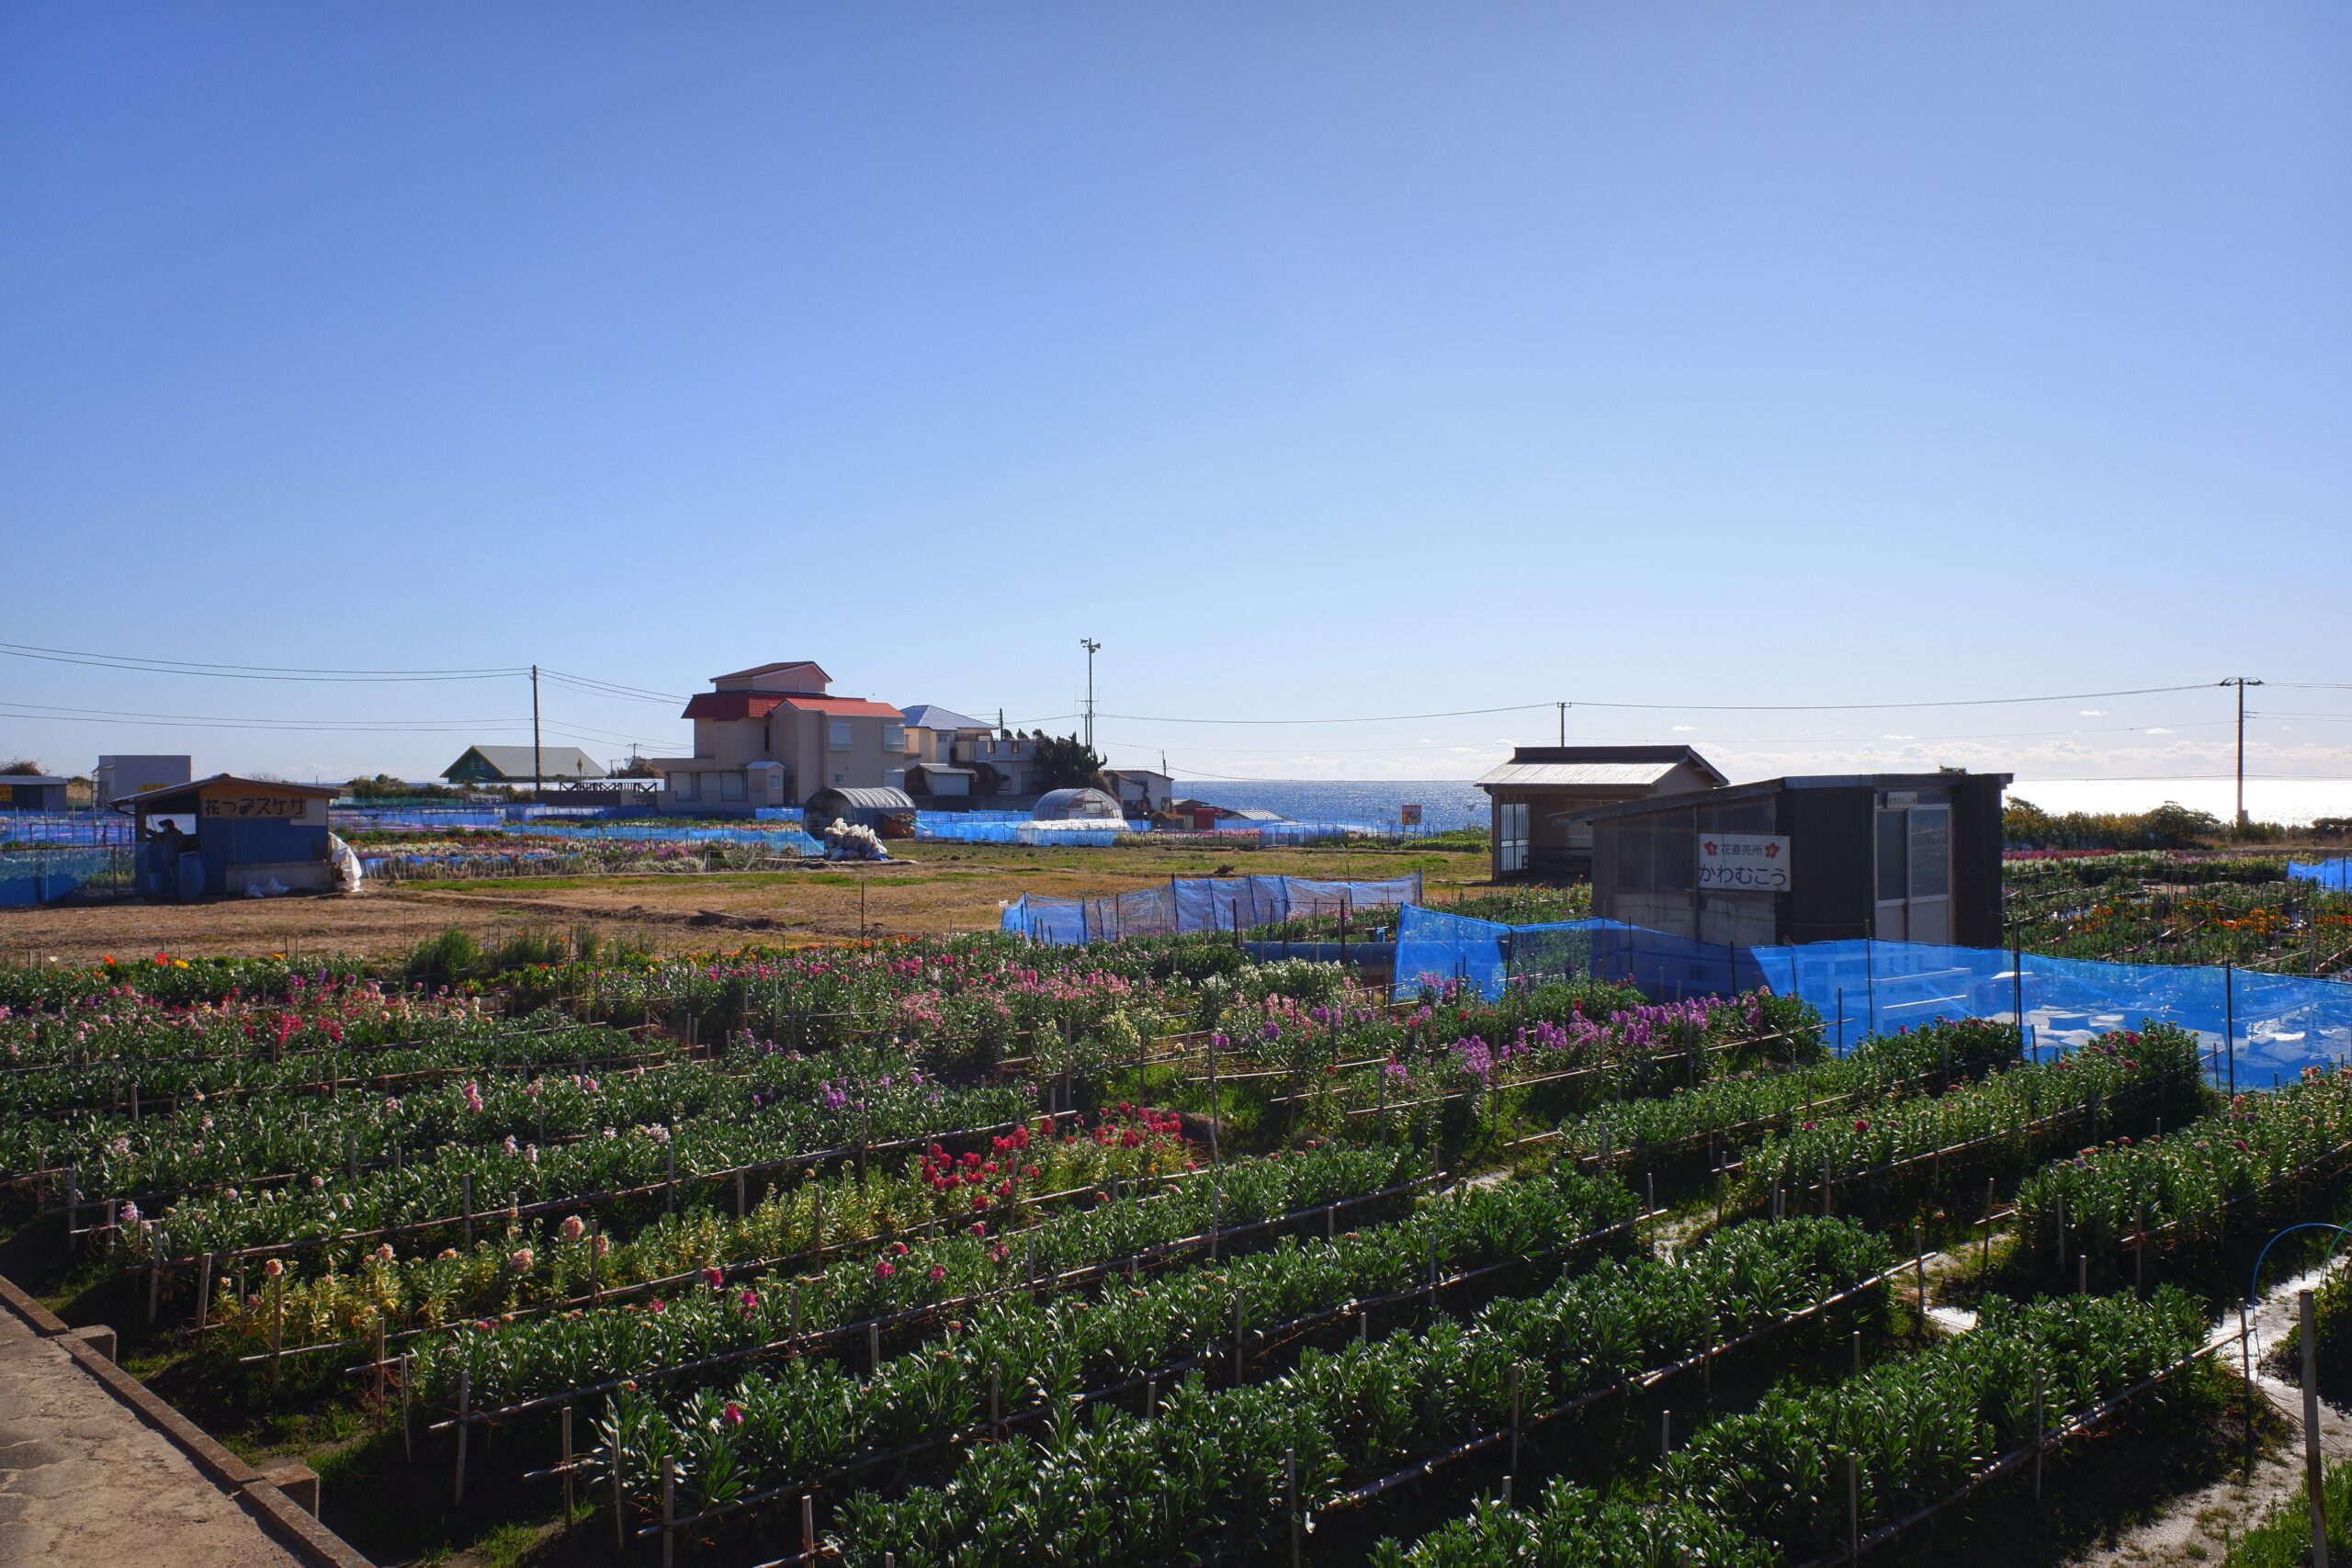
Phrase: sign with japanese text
pixel 1744 863
pixel 259 808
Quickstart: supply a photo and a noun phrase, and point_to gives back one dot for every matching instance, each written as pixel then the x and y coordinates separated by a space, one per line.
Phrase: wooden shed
pixel 230 835
pixel 1898 857
pixel 1540 794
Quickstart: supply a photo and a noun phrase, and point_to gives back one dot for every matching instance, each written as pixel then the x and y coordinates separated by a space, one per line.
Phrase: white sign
pixel 1744 863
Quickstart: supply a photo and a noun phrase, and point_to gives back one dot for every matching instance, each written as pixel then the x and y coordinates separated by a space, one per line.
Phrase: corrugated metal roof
pixel 1628 775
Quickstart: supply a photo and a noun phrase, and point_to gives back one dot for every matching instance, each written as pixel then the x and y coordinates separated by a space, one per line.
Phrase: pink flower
pixel 574 1227
pixel 732 1414
pixel 521 1259
pixel 383 1252
pixel 883 1270
pixel 273 1268
pixel 937 1273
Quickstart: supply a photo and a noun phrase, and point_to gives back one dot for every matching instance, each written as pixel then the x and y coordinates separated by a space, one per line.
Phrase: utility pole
pixel 535 785
pixel 1092 648
pixel 2241 682
pixel 1564 722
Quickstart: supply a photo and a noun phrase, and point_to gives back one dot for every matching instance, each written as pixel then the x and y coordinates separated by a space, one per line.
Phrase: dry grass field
pixel 931 887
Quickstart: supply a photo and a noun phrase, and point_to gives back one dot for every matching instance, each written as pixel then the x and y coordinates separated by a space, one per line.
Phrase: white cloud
pixel 2159 729
pixel 1684 729
pixel 1898 738
pixel 2094 713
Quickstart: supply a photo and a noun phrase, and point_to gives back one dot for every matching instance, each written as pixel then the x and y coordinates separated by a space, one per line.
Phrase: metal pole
pixel 536 785
pixel 2229 1018
pixel 2314 1472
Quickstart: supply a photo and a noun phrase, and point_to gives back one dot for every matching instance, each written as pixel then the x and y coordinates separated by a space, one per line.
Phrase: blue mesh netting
pixel 1433 947
pixel 2335 873
pixel 1018 828
pixel 66 828
pixel 2277 1023
pixel 28 877
pixel 1199 904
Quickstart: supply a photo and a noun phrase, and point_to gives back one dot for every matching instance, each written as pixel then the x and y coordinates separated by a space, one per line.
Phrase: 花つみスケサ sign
pixel 264 808
pixel 1744 863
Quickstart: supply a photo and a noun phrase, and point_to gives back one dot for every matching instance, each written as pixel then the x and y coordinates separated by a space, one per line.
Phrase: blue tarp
pixel 1199 904
pixel 67 828
pixel 2334 875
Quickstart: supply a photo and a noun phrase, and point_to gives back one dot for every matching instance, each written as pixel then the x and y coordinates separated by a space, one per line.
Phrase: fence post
pixel 464 1406
pixel 2314 1472
pixel 1290 1502
pixel 2140 1253
pixel 567 1467
pixel 1919 1266
pixel 620 1527
pixel 669 1510
pixel 2230 1044
pixel 465 1202
pixel 1853 1510
pixel 2037 1433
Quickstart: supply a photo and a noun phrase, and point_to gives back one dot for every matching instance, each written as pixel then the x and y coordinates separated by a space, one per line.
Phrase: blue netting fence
pixel 2259 1021
pixel 2334 875
pixel 40 876
pixel 66 828
pixel 1435 947
pixel 1200 904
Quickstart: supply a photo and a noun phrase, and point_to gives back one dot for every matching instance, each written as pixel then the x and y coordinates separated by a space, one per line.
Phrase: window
pixel 1930 852
pixel 894 778
pixel 1510 838
pixel 837 734
pixel 731 786
pixel 683 786
pixel 894 735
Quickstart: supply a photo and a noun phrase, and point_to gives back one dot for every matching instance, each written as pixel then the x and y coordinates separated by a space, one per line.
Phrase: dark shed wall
pixel 1829 848
pixel 1976 862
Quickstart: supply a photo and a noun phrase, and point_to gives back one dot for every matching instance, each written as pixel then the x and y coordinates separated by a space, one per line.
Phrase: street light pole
pixel 2241 682
pixel 1092 648
pixel 535 785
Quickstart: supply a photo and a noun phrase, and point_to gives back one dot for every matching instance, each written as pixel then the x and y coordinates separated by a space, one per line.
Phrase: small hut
pixel 230 835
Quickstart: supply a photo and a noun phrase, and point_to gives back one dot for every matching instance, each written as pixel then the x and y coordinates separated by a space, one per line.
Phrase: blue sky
pixel 1321 360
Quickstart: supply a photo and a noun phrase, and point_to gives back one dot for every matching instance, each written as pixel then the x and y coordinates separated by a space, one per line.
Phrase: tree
pixel 637 767
pixel 22 768
pixel 1065 762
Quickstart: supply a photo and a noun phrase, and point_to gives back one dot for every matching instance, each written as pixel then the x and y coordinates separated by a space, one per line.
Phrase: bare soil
pixel 928 888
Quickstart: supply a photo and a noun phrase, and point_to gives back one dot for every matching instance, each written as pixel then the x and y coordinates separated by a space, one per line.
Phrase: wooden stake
pixel 567 1465
pixel 2314 1471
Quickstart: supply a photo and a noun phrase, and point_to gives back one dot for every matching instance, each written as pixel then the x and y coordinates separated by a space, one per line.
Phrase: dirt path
pixel 2197 1524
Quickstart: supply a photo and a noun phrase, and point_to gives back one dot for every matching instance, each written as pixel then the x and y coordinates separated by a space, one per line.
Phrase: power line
pixel 1681 708
pixel 610 688
pixel 241 671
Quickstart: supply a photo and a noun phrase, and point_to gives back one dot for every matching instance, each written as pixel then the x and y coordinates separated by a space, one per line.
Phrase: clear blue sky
pixel 1325 360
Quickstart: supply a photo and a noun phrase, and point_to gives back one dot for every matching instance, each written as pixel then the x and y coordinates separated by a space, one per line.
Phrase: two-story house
pixel 774 735
pixel 934 737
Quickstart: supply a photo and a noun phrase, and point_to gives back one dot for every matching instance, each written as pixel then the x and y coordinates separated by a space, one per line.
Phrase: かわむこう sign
pixel 1744 863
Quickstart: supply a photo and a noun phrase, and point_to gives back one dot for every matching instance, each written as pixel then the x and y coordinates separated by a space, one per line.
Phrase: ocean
pixel 1444 803
pixel 1458 803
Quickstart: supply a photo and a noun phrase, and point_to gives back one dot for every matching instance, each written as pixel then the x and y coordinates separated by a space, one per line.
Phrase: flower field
pixel 966 1251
